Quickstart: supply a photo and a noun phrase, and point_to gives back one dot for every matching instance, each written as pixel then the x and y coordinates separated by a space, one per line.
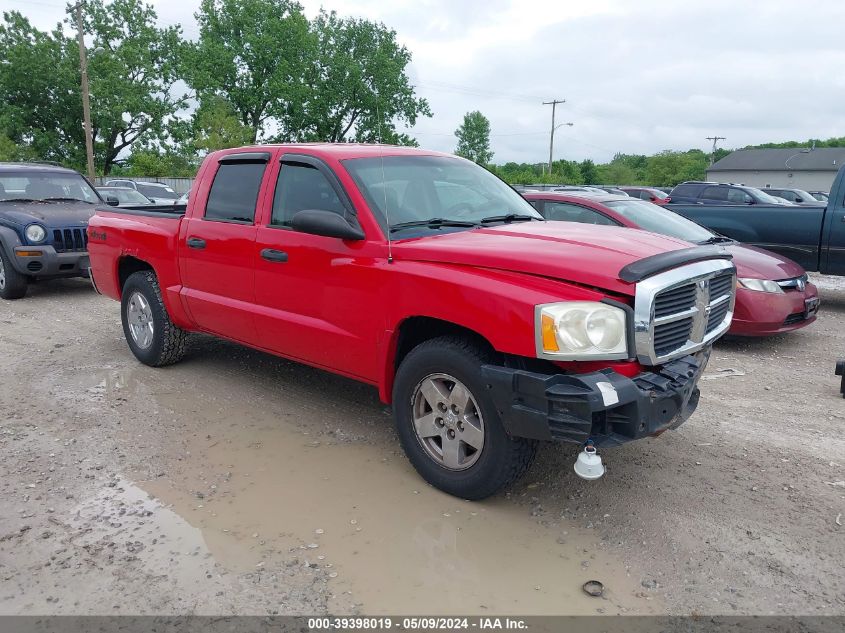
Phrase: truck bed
pixel 794 232
pixel 152 210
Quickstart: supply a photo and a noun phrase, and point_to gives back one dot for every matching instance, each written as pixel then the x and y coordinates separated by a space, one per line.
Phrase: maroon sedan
pixel 773 292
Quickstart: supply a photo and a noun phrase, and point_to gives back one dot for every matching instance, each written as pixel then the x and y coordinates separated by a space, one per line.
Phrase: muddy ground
pixel 236 482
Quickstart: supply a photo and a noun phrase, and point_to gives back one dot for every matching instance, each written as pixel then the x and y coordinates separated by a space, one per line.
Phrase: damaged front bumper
pixel 603 406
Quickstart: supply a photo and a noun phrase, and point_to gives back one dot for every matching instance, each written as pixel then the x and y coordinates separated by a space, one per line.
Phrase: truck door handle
pixel 272 255
pixel 195 242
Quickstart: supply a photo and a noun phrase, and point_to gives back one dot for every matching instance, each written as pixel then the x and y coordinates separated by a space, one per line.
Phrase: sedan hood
pixel 756 263
pixel 585 254
pixel 50 214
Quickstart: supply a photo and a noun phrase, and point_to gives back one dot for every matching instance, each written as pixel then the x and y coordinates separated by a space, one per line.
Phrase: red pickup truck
pixel 487 328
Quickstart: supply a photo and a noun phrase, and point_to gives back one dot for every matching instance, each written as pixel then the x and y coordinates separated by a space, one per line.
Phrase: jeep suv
pixel 44 213
pixel 696 192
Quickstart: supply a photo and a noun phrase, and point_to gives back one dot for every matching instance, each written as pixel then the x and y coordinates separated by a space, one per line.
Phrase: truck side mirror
pixel 112 201
pixel 325 223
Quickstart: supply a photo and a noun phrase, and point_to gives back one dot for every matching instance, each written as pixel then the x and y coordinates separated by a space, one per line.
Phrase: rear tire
pixel 151 335
pixel 434 377
pixel 12 284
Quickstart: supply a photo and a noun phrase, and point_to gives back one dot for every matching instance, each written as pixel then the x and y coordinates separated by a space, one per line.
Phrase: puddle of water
pixel 125 521
pixel 256 471
pixel 396 544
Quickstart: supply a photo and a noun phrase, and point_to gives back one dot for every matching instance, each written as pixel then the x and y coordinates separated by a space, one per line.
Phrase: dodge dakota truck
pixel 813 236
pixel 487 328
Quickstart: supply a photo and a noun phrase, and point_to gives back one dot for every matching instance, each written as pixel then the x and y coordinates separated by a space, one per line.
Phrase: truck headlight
pixel 35 233
pixel 581 330
pixel 761 285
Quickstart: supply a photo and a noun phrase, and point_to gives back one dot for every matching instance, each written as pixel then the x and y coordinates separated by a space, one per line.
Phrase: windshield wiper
pixel 717 239
pixel 431 223
pixel 508 218
pixel 65 200
pixel 20 200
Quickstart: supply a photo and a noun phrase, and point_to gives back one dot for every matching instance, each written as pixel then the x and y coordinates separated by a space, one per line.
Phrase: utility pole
pixel 715 140
pixel 553 103
pixel 86 103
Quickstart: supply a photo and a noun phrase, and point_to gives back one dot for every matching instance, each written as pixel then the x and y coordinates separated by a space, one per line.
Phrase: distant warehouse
pixel 801 168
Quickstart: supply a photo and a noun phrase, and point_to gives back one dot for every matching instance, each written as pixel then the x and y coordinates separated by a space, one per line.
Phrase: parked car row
pixel 774 294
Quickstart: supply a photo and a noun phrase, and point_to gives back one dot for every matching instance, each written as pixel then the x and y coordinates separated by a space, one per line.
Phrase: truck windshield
pixel 46 187
pixel 428 193
pixel 654 218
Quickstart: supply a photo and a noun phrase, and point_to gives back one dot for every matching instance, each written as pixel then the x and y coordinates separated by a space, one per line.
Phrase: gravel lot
pixel 236 482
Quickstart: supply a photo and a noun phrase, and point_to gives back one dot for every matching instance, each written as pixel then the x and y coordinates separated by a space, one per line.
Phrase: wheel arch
pixel 128 265
pixel 414 330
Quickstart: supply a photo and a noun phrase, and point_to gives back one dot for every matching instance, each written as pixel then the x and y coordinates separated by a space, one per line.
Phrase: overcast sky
pixel 638 76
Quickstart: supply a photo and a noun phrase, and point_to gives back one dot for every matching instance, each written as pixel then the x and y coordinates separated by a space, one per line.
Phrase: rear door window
pixel 234 192
pixel 567 212
pixel 715 193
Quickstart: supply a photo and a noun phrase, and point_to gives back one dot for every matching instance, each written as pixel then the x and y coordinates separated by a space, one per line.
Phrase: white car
pixel 158 192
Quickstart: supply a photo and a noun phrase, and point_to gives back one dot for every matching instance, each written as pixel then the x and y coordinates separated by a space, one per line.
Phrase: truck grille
pixel 65 240
pixel 680 311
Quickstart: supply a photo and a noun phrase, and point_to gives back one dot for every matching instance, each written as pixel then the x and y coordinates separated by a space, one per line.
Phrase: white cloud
pixel 638 77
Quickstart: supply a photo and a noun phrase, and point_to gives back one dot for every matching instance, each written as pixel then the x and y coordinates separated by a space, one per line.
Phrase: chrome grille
pixel 680 311
pixel 675 300
pixel 75 239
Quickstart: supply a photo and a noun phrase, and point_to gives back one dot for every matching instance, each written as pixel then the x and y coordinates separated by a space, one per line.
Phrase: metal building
pixel 802 168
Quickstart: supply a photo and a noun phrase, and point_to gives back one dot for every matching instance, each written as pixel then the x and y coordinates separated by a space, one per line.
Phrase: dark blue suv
pixel 719 193
pixel 44 213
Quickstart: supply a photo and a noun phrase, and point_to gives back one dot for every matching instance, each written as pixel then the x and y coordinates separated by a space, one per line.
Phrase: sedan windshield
pixel 654 218
pixel 430 193
pixel 125 195
pixel 46 187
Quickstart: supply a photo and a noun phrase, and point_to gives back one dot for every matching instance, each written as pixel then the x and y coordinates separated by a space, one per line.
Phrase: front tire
pixel 448 425
pixel 12 283
pixel 151 335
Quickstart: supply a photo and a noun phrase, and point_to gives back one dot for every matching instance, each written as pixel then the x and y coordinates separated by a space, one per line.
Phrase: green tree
pixel 474 138
pixel 132 69
pixel 357 86
pixel 253 53
pixel 40 103
pixel 217 126
pixel 589 173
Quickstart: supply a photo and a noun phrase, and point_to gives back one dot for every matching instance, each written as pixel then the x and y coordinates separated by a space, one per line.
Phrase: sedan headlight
pixel 581 330
pixel 761 285
pixel 35 233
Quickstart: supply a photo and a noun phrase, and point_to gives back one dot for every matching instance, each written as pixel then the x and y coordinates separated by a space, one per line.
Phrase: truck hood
pixel 586 254
pixel 756 263
pixel 50 214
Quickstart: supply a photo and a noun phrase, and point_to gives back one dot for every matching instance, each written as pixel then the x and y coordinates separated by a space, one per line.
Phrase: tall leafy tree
pixel 132 70
pixel 474 138
pixel 40 106
pixel 358 87
pixel 253 53
pixel 133 67
pixel 589 173
pixel 217 126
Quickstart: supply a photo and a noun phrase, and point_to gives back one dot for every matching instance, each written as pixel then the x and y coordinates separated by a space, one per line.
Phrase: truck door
pixel 316 296
pixel 833 234
pixel 216 246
